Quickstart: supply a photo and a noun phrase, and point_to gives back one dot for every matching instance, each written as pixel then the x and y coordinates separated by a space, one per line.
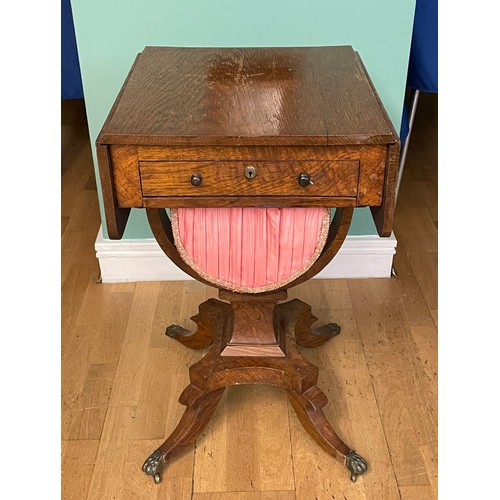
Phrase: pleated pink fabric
pixel 250 249
pixel 223 239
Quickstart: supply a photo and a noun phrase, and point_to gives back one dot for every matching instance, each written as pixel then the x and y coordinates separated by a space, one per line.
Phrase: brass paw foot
pixel 356 464
pixel 334 328
pixel 154 465
pixel 173 330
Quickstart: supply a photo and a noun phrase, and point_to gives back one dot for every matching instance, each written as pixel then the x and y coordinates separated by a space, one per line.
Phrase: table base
pixel 254 340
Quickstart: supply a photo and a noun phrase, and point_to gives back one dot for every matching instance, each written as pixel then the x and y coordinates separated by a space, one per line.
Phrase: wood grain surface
pixel 251 331
pixel 126 176
pixel 252 96
pixel 278 178
pixel 383 216
pixel 116 215
pixel 225 165
pixel 248 201
pixel 278 106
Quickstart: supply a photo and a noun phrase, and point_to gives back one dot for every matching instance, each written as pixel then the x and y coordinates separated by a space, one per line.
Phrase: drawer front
pixel 227 178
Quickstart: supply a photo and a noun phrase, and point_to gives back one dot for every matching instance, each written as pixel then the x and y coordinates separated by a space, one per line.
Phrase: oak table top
pixel 248 96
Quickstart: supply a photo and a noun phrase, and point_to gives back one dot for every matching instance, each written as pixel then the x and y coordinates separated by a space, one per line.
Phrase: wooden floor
pixel 121 376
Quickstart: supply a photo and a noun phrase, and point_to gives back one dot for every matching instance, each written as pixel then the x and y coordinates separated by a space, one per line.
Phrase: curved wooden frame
pixel 339 227
pixel 161 226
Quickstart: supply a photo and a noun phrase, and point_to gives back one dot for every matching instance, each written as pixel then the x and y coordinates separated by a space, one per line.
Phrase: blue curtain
pixel 71 80
pixel 423 64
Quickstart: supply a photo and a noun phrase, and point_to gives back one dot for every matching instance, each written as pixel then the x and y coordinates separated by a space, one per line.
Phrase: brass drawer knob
pixel 196 179
pixel 305 180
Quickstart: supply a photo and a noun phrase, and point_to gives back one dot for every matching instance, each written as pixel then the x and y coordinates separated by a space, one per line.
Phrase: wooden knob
pixel 196 179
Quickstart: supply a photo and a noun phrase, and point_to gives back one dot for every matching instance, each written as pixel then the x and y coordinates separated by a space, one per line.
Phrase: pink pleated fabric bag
pixel 250 250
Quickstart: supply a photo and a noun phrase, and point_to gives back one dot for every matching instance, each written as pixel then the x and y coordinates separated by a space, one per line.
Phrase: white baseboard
pixel 143 260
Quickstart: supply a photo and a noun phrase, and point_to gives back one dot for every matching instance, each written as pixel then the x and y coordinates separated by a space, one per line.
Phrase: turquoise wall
pixel 110 33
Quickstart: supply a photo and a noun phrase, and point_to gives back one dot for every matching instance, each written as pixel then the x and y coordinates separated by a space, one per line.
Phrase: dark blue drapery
pixel 71 80
pixel 423 64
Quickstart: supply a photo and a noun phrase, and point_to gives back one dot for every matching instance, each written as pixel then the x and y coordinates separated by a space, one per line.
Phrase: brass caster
pixel 153 465
pixel 335 329
pixel 172 330
pixel 356 464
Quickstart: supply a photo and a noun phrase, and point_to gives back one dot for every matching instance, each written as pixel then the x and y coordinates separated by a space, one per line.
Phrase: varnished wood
pixel 247 201
pixel 273 105
pixel 216 371
pixel 308 407
pixel 372 168
pixel 116 216
pixel 221 165
pixel 339 227
pixel 366 154
pixel 167 171
pixel 383 216
pixel 251 330
pixel 305 336
pixel 313 95
pixel 237 453
pixel 232 297
pixel 200 407
pixel 199 339
pixel 253 333
pixel 127 176
pixel 278 178
pixel 161 227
